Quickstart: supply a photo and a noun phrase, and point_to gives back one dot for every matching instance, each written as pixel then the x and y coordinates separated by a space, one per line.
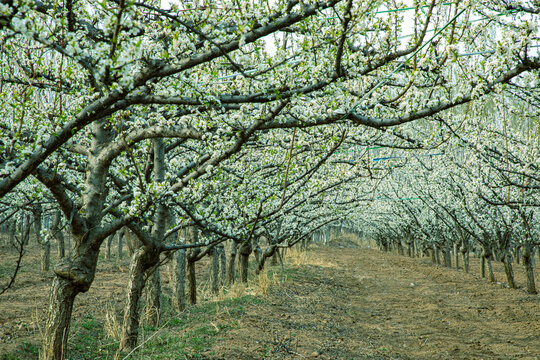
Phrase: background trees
pixel 131 114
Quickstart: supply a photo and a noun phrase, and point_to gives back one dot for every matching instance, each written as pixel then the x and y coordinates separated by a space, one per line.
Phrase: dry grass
pixel 236 290
pixel 112 325
pixel 262 283
pixel 296 257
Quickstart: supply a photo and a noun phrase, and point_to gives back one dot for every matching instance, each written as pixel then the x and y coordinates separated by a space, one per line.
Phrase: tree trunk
pixel 529 269
pixel 214 271
pixel 45 243
pixel 487 256
pixel 192 236
pixel 109 243
pixel 130 327
pixel 401 251
pixel 192 281
pixel 58 235
pixel 72 276
pixel 55 341
pixel 231 267
pixel 465 255
pixel 25 228
pixel 456 255
pixel 131 241
pixel 446 258
pixel 483 267
pixel 269 252
pixel 437 255
pixel 508 269
pixel 257 249
pixel 121 244
pixel 153 299
pixel 12 231
pixel 244 251
pixel 179 280
pixel 153 296
pixel 275 258
pixel 222 264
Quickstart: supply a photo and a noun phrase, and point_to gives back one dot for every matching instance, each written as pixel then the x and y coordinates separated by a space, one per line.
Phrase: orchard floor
pixel 334 303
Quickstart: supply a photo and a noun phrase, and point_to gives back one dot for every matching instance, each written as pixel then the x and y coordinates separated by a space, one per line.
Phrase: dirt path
pixel 363 304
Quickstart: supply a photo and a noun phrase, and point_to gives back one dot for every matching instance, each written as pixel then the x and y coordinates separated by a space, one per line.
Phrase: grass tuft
pixel 113 328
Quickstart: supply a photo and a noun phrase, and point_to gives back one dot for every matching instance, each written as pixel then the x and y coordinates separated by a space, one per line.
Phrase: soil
pixel 336 303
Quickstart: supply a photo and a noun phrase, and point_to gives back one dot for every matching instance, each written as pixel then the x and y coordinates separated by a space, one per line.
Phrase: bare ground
pixel 338 303
pixel 364 304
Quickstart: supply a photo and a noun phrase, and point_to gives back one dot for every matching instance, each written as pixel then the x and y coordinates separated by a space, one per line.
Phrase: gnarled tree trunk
pixel 140 261
pixel 72 276
pixel 61 299
pixel 269 252
pixel 153 295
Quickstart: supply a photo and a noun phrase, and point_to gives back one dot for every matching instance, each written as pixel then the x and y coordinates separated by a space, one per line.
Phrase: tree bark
pixel 131 242
pixel 153 296
pixel 437 255
pixel 269 252
pixel 230 265
pixel 12 228
pixel 244 251
pixel 192 235
pixel 58 235
pixel 529 269
pixel 179 280
pixel 401 251
pixel 446 258
pixel 109 244
pixel 465 256
pixel 456 255
pixel 25 228
pixel 214 270
pixel 121 244
pixel 62 296
pixel 45 243
pixel 192 281
pixel 258 252
pixel 506 260
pixel 153 299
pixel 222 264
pixel 130 327
pixel 73 275
pixel 486 256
